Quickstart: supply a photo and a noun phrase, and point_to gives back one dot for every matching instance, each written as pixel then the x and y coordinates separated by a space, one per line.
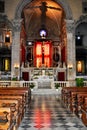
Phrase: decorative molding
pixel 82 19
pixel 70 26
pixel 17 24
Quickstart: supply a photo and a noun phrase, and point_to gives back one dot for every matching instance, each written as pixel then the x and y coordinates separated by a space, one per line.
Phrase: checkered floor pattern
pixel 47 112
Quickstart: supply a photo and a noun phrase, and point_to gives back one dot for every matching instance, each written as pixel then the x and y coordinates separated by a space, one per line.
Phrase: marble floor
pixel 47 112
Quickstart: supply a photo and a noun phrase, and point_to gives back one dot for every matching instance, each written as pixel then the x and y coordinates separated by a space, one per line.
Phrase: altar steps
pixel 46 91
pixel 44 85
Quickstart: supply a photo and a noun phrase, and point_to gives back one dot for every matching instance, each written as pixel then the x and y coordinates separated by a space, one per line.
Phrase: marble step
pixel 44 85
pixel 45 91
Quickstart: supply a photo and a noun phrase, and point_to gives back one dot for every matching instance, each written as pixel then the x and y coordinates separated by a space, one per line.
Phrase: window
pixel 84 7
pixel 2 6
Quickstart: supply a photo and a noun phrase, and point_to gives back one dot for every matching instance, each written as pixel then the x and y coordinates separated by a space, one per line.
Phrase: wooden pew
pixel 80 98
pixel 76 100
pixel 16 93
pixel 27 90
pixel 19 99
pixel 15 104
pixel 10 94
pixel 6 118
pixel 66 93
pixel 84 111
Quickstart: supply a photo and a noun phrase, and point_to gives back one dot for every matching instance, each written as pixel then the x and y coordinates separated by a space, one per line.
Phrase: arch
pixel 82 19
pixel 63 3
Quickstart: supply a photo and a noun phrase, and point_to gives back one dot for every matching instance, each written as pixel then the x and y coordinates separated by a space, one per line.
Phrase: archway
pixel 67 14
pixel 43 23
pixel 23 9
pixel 81 51
pixel 63 4
pixel 5 45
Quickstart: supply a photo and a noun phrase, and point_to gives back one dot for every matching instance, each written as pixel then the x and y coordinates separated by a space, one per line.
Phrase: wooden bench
pixel 76 100
pixel 6 118
pixel 20 100
pixel 27 90
pixel 15 95
pixel 66 93
pixel 84 111
pixel 15 106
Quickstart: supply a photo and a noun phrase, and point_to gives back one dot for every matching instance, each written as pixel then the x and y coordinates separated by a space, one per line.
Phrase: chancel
pixel 43 64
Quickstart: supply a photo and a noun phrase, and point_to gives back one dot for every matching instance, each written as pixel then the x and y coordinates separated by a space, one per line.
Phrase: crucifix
pixel 43 7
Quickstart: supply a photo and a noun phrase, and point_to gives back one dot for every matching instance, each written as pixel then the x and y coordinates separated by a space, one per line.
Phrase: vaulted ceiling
pixel 47 14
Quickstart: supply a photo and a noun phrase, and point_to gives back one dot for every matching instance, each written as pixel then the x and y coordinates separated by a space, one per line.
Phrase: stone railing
pixel 17 83
pixel 85 83
pixel 61 83
pixel 5 83
pixel 27 83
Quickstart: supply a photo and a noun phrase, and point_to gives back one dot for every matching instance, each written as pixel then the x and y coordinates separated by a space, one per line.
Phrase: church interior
pixel 43 64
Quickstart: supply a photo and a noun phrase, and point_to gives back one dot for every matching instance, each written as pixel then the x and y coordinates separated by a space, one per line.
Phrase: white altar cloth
pixel 44 81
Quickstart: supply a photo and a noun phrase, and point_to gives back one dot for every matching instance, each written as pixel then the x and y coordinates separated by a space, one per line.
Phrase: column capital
pixel 70 26
pixel 17 24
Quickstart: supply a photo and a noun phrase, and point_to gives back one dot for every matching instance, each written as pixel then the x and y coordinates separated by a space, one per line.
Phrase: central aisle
pixel 48 113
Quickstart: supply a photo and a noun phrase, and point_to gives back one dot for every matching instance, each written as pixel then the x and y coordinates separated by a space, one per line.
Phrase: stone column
pixel 71 51
pixel 15 65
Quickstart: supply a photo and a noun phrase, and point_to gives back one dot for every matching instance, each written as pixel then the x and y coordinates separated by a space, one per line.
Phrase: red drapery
pixel 42 54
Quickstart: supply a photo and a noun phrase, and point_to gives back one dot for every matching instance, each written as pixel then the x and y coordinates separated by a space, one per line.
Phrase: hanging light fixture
pixel 7 36
pixel 43 33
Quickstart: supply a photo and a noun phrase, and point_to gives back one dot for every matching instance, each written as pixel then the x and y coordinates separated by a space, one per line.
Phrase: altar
pixel 44 81
pixel 44 75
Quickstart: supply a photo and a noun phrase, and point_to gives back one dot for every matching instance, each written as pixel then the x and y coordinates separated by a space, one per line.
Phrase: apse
pixel 43 24
pixel 45 14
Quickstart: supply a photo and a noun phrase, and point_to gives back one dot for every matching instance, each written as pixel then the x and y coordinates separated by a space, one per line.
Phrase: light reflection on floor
pixel 48 113
pixel 42 117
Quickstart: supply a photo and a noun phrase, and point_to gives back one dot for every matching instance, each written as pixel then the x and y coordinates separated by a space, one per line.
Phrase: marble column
pixel 71 51
pixel 15 65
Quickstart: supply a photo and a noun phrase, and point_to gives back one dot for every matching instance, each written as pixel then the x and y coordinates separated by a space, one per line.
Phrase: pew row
pixel 66 93
pixel 84 111
pixel 76 100
pixel 16 99
pixel 6 119
pixel 19 99
pixel 27 90
pixel 14 105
